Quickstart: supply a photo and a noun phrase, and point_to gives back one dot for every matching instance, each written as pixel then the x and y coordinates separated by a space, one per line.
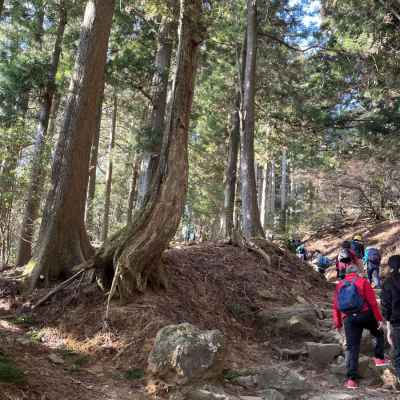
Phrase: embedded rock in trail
pixel 336 396
pixel 323 354
pixel 299 320
pixel 279 377
pixel 270 394
pixel 209 393
pixel 184 354
pixel 366 369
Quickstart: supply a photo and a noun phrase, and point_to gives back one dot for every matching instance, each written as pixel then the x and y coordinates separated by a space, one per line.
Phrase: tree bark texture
pixel 107 201
pixel 93 165
pixel 63 240
pixel 151 154
pixel 135 253
pixel 38 166
pixel 133 190
pixel 251 225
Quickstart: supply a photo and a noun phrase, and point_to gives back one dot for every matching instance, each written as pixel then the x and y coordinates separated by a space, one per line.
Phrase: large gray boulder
pixel 323 354
pixel 297 321
pixel 183 354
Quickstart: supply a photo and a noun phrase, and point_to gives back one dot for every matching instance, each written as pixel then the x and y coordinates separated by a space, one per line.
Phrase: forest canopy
pixel 125 125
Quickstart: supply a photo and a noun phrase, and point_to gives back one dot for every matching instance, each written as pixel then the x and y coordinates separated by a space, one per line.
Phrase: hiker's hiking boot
pixel 351 384
pixel 379 362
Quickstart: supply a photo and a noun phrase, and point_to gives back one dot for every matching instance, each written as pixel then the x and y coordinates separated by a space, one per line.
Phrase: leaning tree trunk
pixel 135 252
pixel 162 64
pixel 93 165
pixel 34 195
pixel 107 201
pixel 251 225
pixel 63 240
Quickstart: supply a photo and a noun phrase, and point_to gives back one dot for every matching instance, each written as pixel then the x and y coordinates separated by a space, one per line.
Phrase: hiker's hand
pixel 339 329
pixel 389 335
pixel 381 325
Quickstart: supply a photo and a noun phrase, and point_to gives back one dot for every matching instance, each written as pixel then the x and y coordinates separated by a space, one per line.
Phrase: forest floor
pixel 67 352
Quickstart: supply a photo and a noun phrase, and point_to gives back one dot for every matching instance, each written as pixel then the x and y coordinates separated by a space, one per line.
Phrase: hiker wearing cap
pixel 357 246
pixel 390 301
pixel 372 261
pixel 345 257
pixel 355 307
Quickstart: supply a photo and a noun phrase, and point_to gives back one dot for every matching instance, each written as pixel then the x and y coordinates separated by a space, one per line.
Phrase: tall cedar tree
pixel 34 195
pixel 63 240
pixel 251 225
pixel 233 152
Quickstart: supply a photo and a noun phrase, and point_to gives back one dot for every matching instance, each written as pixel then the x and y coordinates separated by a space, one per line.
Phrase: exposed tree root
pixel 83 268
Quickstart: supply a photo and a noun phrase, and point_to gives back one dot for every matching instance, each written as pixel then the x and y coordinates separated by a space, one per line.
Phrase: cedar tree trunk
pixel 34 195
pixel 63 240
pixel 156 127
pixel 107 201
pixel 251 225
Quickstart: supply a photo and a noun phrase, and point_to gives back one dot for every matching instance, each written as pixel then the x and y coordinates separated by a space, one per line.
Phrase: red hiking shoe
pixel 351 384
pixel 381 362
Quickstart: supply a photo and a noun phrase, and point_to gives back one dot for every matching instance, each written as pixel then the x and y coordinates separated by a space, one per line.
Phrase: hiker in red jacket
pixel 356 292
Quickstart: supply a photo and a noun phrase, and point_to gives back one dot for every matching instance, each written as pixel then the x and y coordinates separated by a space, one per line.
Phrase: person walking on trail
pixel 301 252
pixel 355 307
pixel 321 262
pixel 345 257
pixel 390 302
pixel 372 261
pixel 357 246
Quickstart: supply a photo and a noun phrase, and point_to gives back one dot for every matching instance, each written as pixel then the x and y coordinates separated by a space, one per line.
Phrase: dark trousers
pixel 354 326
pixel 396 351
pixel 340 273
pixel 373 274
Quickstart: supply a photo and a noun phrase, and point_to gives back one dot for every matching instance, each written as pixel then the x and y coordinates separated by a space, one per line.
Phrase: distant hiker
pixel 345 257
pixel 321 262
pixel 390 301
pixel 357 246
pixel 301 252
pixel 372 261
pixel 355 306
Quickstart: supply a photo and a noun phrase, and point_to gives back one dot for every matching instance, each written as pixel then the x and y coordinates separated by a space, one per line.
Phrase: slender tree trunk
pixel 259 177
pixel 34 196
pixel 251 225
pixel 136 251
pixel 264 197
pixel 283 189
pixel 133 190
pixel 107 201
pixel 227 222
pixel 156 128
pixel 63 240
pixel 272 192
pixel 93 166
pixel 1 7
